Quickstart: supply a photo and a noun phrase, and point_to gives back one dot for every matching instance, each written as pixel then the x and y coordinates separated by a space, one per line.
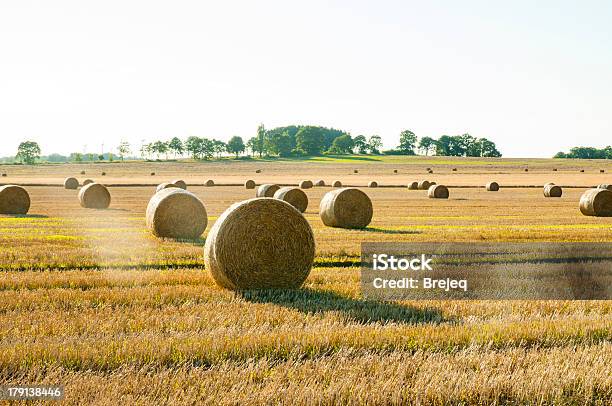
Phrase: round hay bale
pixel 165 185
pixel 103 173
pixel 438 192
pixel 602 171
pixel 346 208
pixel 94 196
pixel 176 213
pixel 152 173
pixel 604 186
pixel 180 183
pixel 305 184
pixel 526 169
pixel 260 244
pixel 432 183
pixel 424 185
pixel 355 171
pixel 430 171
pixel 294 196
pixel 71 183
pixel 413 186
pixel 258 171
pixel 87 182
pixel 492 186
pixel 395 171
pixel 337 183
pixel 582 170
pixel 454 169
pixel 4 175
pixel 554 169
pixel 82 172
pixel 596 202
pixel 373 184
pixel 267 190
pixel 320 182
pixel 249 184
pixel 553 191
pixel 14 200
pixel 209 182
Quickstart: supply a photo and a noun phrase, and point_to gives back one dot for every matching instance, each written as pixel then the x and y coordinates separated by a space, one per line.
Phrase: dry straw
pixel 294 196
pixel 176 213
pixel 249 184
pixel 492 186
pixel 180 183
pixel 209 182
pixel 413 186
pixel 596 202
pixel 94 196
pixel 346 208
pixel 14 200
pixel 71 183
pixel 260 244
pixel 604 186
pixel 424 185
pixel 373 184
pixel 165 185
pixel 305 184
pixel 320 182
pixel 551 190
pixel 87 182
pixel 438 192
pixel 267 190
pixel 337 183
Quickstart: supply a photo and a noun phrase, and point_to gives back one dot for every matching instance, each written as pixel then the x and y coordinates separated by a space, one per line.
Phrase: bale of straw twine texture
pixel 14 200
pixel 180 183
pixel 596 202
pixel 492 186
pixel 305 184
pixel 337 183
pixel 346 208
pixel 424 185
pixel 267 190
pixel 373 183
pixel 438 192
pixel 413 186
pixel 260 244
pixel 294 196
pixel 176 213
pixel 94 196
pixel 71 183
pixel 249 184
pixel 165 185
pixel 553 191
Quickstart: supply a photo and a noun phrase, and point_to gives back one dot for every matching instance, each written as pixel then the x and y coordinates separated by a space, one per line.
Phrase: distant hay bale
pixel 94 196
pixel 260 244
pixel 582 170
pixel 209 182
pixel 492 186
pixel 552 191
pixel 14 200
pixel 526 169
pixel 294 196
pixel 438 192
pixel 413 186
pixel 82 172
pixel 373 183
pixel 249 184
pixel 337 183
pixel 604 186
pixel 165 185
pixel 306 184
pixel 454 169
pixel 103 174
pixel 87 182
pixel 267 190
pixel 320 182
pixel 602 171
pixel 4 175
pixel 258 171
pixel 152 173
pixel 432 183
pixel 424 185
pixel 395 171
pixel 346 208
pixel 596 202
pixel 554 169
pixel 71 183
pixel 430 171
pixel 180 183
pixel 176 213
pixel 355 171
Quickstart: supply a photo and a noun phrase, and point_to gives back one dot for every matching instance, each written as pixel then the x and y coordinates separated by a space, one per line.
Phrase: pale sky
pixel 533 76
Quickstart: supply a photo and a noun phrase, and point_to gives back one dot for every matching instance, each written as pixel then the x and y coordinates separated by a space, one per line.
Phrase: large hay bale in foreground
pixel 337 183
pixel 604 186
pixel 438 192
pixel 346 208
pixel 596 202
pixel 87 182
pixel 165 185
pixel 94 196
pixel 260 244
pixel 373 184
pixel 320 182
pixel 176 213
pixel 553 191
pixel 209 183
pixel 413 186
pixel 249 184
pixel 71 183
pixel 306 184
pixel 14 200
pixel 492 186
pixel 180 183
pixel 294 196
pixel 267 190
pixel 424 185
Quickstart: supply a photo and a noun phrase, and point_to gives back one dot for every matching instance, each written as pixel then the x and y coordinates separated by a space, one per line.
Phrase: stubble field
pixel 90 300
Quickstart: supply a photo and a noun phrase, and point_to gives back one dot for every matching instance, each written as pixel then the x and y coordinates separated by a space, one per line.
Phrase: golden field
pixel 90 300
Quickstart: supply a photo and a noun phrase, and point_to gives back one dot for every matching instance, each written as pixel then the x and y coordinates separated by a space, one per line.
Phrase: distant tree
pixel 342 145
pixel 176 146
pixel 159 148
pixel 101 157
pixel 560 155
pixel 408 141
pixel 427 144
pixel 76 157
pixel 360 143
pixel 278 143
pixel 193 146
pixel 28 152
pixel 488 148
pixel 309 141
pixel 251 146
pixel 124 149
pixel 261 135
pixel 375 144
pixel 235 146
pixel 219 147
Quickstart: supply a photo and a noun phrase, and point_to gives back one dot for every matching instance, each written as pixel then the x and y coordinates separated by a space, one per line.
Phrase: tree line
pixel 587 153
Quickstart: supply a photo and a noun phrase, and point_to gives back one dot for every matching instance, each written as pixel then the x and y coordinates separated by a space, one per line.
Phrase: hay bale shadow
pixel 312 301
